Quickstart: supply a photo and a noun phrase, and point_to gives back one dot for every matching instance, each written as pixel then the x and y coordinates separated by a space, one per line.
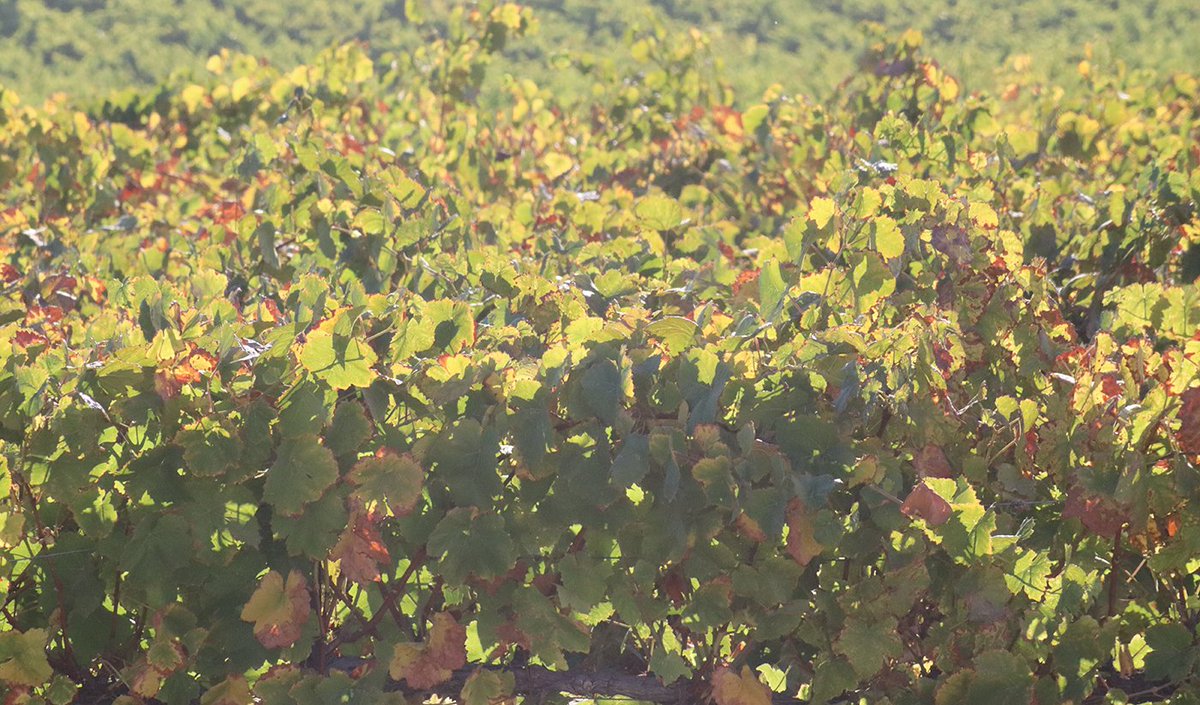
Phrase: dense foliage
pixel 329 385
pixel 89 48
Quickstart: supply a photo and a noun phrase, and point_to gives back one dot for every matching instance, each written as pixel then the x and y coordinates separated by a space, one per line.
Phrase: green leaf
pixel 659 213
pixel 370 221
pixel 584 582
pixel 470 544
pixel 1001 678
pixel 1138 306
pixel 265 232
pixel 676 332
pixel 304 409
pixel 556 164
pixel 754 116
pixel 348 176
pixel 1182 315
pixel 1173 652
pixel 302 471
pixel 23 658
pixel 395 480
pixel 485 687
pixel 315 531
pixel 771 288
pixel 632 462
pixel 453 325
pixel 549 632
pixel 209 448
pixel 349 431
pixel 341 362
pixel 603 390
pixel 1079 652
pixel 867 644
pixel 821 211
pixel 832 678
pixel 669 665
pixel 462 458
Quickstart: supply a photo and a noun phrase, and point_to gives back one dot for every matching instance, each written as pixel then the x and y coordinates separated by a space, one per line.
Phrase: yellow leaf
pixel 983 216
pixel 730 688
pixel 889 241
pixel 241 88
pixel 821 212
pixel 556 164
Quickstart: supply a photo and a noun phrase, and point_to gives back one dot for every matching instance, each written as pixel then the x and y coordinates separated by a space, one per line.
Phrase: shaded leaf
pixel 278 609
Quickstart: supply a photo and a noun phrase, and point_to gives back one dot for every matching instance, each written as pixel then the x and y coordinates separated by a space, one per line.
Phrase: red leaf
pixel 1189 421
pixel 1100 515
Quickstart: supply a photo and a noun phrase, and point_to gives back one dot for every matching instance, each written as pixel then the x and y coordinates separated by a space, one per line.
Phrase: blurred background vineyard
pixel 92 48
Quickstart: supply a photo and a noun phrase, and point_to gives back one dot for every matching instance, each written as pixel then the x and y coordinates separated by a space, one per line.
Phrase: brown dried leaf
pixel 926 504
pixel 932 462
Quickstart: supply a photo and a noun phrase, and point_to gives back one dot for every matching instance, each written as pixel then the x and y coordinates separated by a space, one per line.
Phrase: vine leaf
pixel 23 658
pixel 340 361
pixel 424 667
pixel 932 462
pixel 394 480
pixel 234 690
pixel 802 545
pixel 472 545
pixel 1100 515
pixel 487 688
pixel 278 609
pixel 729 688
pixel 659 212
pixel 361 550
pixel 303 470
pixel 924 503
pixel 1189 421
